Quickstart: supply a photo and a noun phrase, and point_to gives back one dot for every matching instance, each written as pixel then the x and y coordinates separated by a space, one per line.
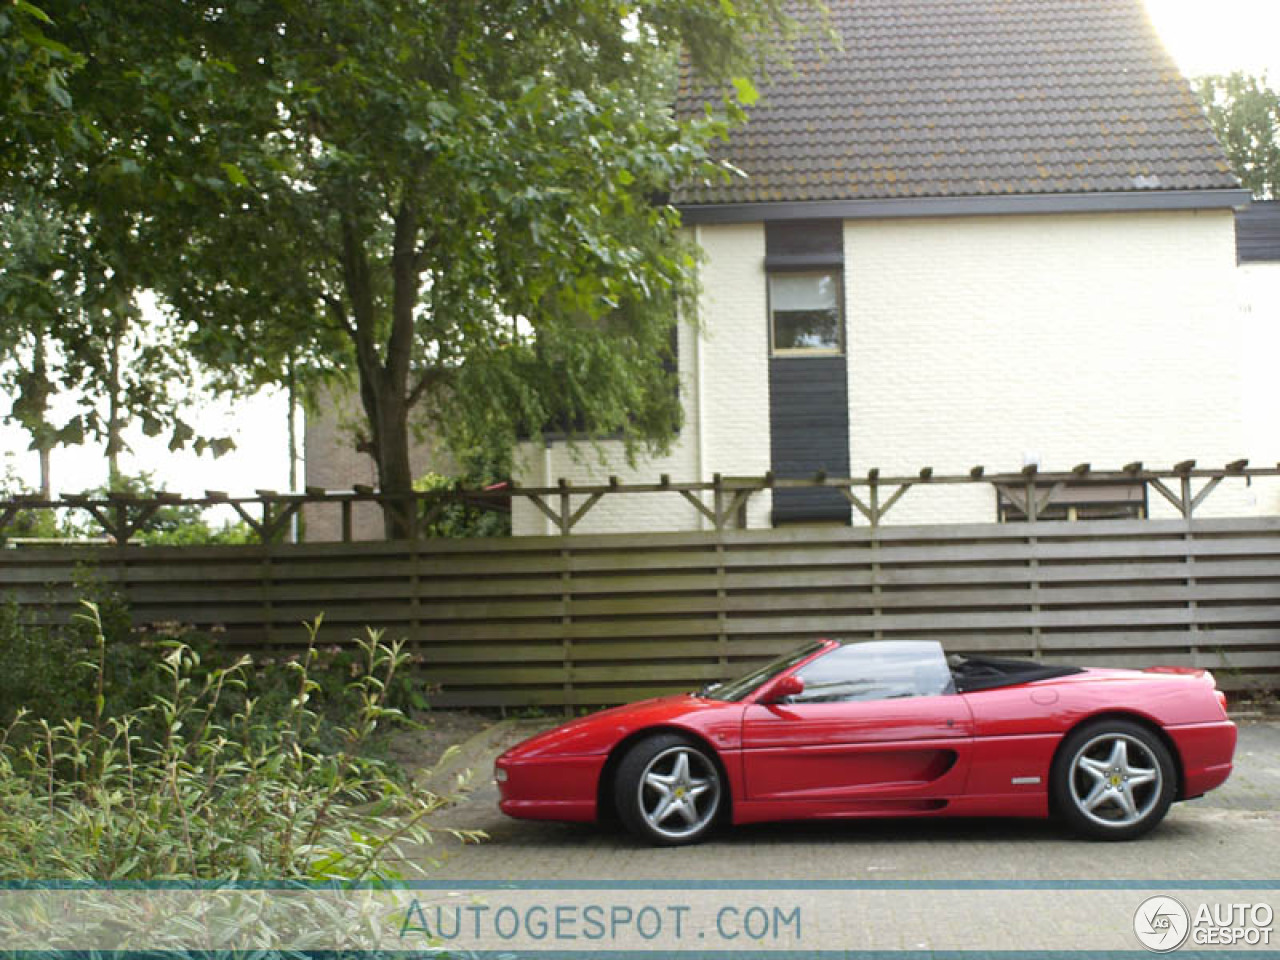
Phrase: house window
pixel 804 313
pixel 1075 501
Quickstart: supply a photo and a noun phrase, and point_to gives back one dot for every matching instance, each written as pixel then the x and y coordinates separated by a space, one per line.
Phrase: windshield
pixel 746 685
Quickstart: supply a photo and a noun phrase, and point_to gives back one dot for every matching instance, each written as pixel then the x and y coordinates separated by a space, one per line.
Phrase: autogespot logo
pixel 1161 924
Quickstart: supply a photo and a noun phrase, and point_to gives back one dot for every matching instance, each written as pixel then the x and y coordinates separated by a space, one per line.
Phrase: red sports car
pixel 885 729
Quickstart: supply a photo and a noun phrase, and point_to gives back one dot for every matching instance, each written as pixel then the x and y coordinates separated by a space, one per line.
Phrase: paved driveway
pixel 1232 833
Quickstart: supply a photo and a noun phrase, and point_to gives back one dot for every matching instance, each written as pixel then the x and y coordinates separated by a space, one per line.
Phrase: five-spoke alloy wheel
pixel 668 790
pixel 1113 779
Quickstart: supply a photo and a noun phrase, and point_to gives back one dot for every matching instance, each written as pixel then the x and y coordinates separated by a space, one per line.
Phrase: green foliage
pixel 37 106
pixel 170 525
pixel 460 207
pixel 72 326
pixel 460 519
pixel 43 676
pixel 197 531
pixel 1244 112
pixel 38 668
pixel 30 524
pixel 210 797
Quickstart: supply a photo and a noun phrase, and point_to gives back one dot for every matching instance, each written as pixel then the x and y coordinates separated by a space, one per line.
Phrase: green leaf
pixel 72 434
pixel 53 85
pixel 443 113
pixel 234 174
pixel 31 10
pixel 182 435
pixel 220 446
pixel 745 90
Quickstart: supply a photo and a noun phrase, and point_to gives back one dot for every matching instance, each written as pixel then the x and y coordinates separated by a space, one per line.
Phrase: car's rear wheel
pixel 1113 779
pixel 668 790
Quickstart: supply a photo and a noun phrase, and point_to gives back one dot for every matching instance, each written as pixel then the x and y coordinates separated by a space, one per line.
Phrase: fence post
pixel 267 612
pixel 566 617
pixel 1193 605
pixel 877 591
pixel 722 601
pixel 415 606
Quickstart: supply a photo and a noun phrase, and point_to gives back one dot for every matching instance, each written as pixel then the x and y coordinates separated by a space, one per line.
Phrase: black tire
pixel 1113 779
pixel 668 790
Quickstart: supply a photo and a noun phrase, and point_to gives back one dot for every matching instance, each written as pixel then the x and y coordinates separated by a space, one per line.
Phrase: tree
pixel 33 84
pixel 1245 115
pixel 71 325
pixel 461 202
pixel 28 298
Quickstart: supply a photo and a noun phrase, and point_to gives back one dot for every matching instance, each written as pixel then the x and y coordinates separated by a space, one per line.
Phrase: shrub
pixel 91 798
pixel 460 519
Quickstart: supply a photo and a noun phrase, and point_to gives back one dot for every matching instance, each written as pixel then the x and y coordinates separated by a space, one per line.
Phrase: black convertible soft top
pixel 987 673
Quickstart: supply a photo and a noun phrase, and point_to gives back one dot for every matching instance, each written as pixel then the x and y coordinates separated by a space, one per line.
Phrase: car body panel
pixel 1206 751
pixel 911 747
pixel 986 752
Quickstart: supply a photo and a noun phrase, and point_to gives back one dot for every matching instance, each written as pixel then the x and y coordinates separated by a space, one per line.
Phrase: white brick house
pixel 977 234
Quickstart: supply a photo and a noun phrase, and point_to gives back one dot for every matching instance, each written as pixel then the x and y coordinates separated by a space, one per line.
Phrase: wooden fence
pixel 272 516
pixel 602 619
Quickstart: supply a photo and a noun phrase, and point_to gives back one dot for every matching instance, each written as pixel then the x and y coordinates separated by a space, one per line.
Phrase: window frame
pixel 1127 500
pixel 929 653
pixel 836 272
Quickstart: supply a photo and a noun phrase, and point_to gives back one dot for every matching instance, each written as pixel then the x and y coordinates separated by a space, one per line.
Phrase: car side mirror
pixel 789 686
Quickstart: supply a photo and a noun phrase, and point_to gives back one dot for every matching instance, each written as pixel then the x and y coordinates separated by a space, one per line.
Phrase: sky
pixel 1219 36
pixel 1204 36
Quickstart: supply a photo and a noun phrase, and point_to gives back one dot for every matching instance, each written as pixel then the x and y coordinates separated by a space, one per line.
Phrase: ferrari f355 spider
pixel 885 729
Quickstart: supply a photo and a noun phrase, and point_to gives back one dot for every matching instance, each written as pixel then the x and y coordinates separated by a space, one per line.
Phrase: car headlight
pixel 499 775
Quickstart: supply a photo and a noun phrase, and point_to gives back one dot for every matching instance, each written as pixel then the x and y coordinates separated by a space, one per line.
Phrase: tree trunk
pixel 115 424
pixel 296 530
pixel 43 440
pixel 46 483
pixel 384 387
pixel 395 476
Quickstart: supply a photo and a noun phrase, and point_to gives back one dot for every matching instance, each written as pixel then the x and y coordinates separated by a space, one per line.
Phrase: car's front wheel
pixel 1113 780
pixel 668 790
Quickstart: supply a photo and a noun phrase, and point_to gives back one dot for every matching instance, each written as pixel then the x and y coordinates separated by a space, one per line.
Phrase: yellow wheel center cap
pixel 1115 781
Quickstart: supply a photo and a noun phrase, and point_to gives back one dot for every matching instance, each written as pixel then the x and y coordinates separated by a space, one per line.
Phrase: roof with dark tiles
pixel 967 98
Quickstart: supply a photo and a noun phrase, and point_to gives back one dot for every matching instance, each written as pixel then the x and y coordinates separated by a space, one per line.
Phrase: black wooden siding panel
pixel 804 238
pixel 809 429
pixel 1258 232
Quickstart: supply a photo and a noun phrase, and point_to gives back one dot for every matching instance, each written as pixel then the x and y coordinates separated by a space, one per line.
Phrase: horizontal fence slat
pixel 581 620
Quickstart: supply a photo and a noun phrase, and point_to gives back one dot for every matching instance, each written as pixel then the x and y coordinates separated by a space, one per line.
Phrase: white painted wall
pixel 1103 338
pixel 1259 297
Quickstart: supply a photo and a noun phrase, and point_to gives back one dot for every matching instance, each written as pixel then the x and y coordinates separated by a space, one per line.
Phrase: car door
pixel 878 719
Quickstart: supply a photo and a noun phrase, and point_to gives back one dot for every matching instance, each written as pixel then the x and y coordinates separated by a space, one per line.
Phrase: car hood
pixel 599 732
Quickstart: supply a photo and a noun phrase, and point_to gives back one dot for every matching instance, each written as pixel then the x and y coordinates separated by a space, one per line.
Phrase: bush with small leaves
pixel 204 798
